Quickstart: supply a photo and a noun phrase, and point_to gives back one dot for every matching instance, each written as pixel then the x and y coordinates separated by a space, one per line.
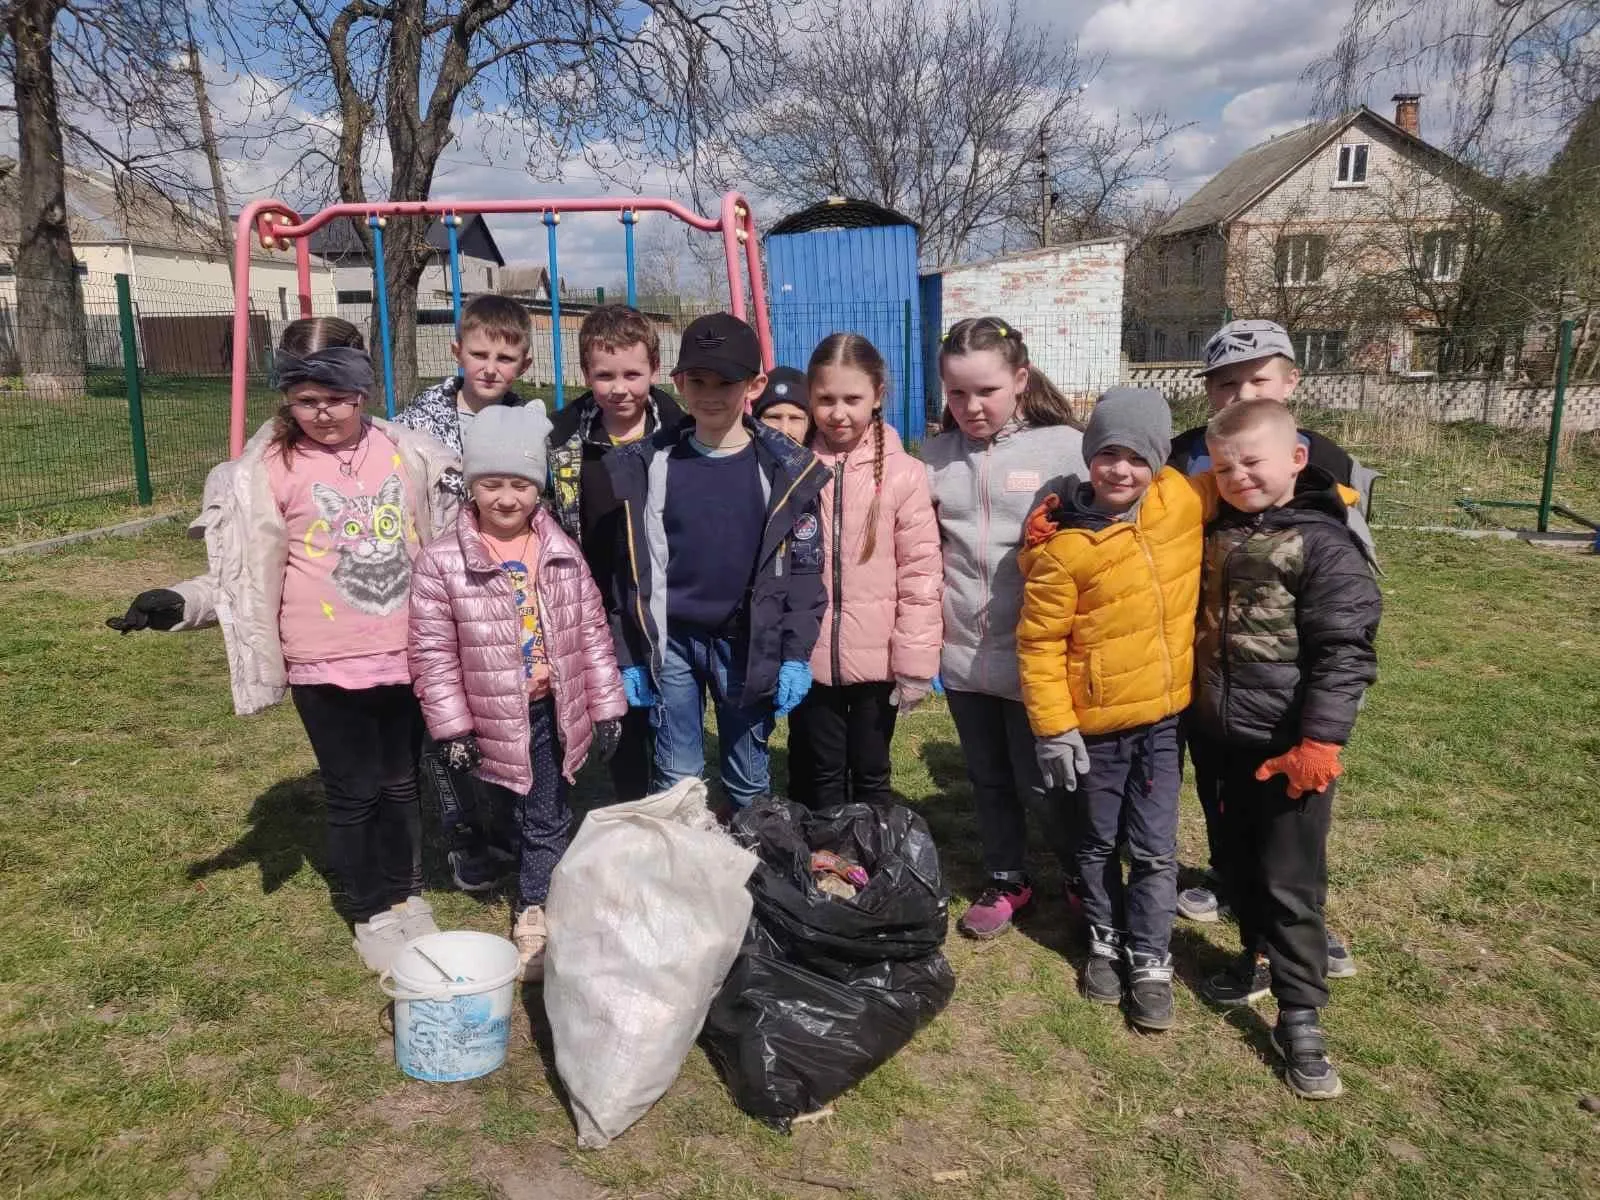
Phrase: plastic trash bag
pixel 646 913
pixel 826 990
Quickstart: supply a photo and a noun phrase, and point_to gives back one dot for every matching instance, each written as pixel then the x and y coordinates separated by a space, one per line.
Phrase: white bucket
pixel 447 1032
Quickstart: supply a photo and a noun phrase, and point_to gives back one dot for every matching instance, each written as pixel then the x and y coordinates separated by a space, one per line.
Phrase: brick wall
pixel 1491 401
pixel 1066 300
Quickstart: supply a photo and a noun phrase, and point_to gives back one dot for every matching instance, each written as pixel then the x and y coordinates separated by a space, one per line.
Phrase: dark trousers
pixel 1275 855
pixel 636 750
pixel 839 745
pixel 540 819
pixel 366 742
pixel 999 748
pixel 1130 796
pixel 1208 786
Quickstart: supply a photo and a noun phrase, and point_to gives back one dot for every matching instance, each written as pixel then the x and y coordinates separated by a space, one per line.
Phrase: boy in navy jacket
pixel 718 585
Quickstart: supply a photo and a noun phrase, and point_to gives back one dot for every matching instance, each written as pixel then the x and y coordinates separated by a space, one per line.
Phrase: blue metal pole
pixel 452 225
pixel 629 220
pixel 551 220
pixel 382 287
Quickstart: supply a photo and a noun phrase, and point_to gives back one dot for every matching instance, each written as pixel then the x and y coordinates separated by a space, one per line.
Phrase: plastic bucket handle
pixel 387 985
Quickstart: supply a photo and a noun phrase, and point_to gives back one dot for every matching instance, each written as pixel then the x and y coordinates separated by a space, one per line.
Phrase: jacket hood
pixel 476 556
pixel 1316 498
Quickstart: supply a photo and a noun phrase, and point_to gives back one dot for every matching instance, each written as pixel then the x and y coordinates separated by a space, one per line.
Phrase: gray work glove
pixel 1063 759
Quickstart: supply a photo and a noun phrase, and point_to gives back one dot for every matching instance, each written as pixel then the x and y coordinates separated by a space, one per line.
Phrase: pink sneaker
pixel 991 914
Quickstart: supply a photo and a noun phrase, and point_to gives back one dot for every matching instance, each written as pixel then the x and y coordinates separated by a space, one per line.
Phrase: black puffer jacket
pixel 1289 614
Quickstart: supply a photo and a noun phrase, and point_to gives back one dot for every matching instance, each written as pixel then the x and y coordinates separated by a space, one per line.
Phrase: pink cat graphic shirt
pixel 351 541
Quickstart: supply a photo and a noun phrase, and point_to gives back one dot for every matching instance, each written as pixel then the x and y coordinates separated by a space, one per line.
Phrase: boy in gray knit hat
pixel 1105 647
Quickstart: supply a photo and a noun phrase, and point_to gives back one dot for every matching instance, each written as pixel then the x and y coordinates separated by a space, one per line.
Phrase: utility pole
pixel 1044 190
pixel 208 139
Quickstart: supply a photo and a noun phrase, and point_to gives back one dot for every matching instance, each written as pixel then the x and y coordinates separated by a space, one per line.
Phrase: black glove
pixel 159 608
pixel 461 754
pixel 606 736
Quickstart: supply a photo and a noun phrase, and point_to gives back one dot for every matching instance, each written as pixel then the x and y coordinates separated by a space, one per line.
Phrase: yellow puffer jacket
pixel 1106 637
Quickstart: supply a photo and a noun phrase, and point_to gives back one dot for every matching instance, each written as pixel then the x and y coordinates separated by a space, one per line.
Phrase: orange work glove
pixel 1309 767
pixel 1040 526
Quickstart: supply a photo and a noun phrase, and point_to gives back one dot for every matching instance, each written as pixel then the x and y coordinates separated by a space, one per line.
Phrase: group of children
pixel 506 597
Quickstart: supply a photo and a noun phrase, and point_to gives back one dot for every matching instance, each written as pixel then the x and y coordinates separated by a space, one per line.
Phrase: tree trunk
pixel 50 323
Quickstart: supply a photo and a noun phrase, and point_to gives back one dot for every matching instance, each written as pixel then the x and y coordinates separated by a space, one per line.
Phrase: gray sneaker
pixel 1200 904
pixel 379 940
pixel 1341 965
pixel 416 918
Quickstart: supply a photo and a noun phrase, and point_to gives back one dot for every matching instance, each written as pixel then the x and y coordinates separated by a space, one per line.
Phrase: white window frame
pixel 1158 345
pixel 1354 158
pixel 1290 242
pixel 1431 262
pixel 1311 349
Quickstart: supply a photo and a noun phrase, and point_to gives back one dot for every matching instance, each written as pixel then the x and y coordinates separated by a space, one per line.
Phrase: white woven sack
pixel 646 913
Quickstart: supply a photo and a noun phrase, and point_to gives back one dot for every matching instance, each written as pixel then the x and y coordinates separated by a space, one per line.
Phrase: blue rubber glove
pixel 938 684
pixel 794 681
pixel 636 687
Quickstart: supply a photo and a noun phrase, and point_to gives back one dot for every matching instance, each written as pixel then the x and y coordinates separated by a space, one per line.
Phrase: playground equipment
pixel 274 224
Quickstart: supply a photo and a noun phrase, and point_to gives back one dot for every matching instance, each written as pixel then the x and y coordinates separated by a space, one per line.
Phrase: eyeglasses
pixel 341 406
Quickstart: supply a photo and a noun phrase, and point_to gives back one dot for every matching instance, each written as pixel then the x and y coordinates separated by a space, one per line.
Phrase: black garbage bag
pixel 826 990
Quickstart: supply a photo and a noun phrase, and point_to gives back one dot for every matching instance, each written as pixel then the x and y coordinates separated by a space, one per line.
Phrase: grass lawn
pixel 181 1014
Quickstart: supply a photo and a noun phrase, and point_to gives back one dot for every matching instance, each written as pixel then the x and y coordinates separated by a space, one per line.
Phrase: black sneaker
pixel 476 872
pixel 1249 979
pixel 1299 1042
pixel 1340 963
pixel 1150 991
pixel 1101 980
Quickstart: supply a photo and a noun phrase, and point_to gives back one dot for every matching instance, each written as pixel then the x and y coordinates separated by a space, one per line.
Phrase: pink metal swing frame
pixel 274 224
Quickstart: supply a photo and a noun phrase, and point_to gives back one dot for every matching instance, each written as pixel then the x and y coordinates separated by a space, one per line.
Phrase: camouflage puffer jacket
pixel 1289 614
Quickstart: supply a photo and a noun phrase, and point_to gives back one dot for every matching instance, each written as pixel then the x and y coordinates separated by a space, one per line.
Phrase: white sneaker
pixel 379 940
pixel 416 918
pixel 529 934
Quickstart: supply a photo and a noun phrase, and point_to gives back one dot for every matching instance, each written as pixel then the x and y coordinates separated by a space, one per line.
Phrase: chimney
pixel 1408 112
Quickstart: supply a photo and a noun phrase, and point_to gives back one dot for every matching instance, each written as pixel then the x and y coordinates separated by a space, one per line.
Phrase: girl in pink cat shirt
pixel 310 535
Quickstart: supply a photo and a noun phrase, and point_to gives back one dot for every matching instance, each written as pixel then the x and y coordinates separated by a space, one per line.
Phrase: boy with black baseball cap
pixel 719 581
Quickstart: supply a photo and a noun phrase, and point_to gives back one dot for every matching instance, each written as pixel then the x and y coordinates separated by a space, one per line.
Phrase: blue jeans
pixel 694 660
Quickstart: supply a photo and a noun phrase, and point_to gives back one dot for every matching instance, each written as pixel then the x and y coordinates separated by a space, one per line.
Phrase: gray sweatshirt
pixel 982 494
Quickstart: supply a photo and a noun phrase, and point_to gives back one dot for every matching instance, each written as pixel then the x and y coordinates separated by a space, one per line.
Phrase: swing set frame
pixel 274 225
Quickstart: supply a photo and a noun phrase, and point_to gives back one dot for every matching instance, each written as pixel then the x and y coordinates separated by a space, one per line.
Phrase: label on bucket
pixel 446 1041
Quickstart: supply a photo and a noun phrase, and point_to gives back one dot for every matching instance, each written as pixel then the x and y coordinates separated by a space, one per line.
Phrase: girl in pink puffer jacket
pixel 879 646
pixel 511 653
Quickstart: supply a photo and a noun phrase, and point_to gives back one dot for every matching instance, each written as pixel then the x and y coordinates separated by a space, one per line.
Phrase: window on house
pixel 1440 254
pixel 82 270
pixel 283 303
pixel 355 297
pixel 1194 346
pixel 1353 165
pixel 6 270
pixel 488 275
pixel 1158 345
pixel 1197 265
pixel 1319 349
pixel 1163 269
pixel 1301 258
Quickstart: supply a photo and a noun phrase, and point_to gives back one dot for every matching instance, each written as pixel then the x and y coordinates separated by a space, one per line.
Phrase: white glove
pixel 1063 759
pixel 909 692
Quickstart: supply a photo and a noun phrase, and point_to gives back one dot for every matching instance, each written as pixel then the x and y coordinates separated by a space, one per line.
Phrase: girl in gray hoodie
pixel 1009 437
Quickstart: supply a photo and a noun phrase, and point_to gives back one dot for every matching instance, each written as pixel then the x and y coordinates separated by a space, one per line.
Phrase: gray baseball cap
pixel 1244 341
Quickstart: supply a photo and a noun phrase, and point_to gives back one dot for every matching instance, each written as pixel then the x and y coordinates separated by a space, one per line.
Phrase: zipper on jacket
pixel 638 592
pixel 983 547
pixel 1161 606
pixel 838 572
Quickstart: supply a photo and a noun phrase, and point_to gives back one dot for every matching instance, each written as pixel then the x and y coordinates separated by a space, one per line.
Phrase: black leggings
pixel 366 742
pixel 839 745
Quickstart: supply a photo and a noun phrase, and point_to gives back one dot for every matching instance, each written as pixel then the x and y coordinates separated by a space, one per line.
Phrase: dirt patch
pixel 300 1080
pixel 420 1103
pixel 534 1173
pixel 1255 1179
pixel 205 1068
pixel 204 1171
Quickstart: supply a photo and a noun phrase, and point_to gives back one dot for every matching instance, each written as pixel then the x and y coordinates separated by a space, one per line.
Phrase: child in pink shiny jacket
pixel 878 649
pixel 511 653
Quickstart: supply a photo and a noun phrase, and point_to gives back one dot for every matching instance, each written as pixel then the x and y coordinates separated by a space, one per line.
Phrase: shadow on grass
pixel 286 831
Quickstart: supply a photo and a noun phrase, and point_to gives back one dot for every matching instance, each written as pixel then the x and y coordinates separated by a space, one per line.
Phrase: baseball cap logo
pixel 710 341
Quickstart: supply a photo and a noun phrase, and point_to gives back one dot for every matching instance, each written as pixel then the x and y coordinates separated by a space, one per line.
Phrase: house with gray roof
pixel 1351 232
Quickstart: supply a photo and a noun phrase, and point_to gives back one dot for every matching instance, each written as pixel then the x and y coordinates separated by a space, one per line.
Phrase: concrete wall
pixel 1491 401
pixel 1066 301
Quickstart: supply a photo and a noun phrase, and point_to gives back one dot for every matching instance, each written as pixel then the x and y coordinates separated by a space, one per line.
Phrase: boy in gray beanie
pixel 1105 648
pixel 511 657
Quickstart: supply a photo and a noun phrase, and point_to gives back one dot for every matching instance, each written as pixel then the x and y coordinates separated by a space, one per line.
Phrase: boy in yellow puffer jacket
pixel 1105 645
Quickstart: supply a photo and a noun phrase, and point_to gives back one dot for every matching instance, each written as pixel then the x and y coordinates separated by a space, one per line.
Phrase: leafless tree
pixel 96 86
pixel 618 82
pixel 937 111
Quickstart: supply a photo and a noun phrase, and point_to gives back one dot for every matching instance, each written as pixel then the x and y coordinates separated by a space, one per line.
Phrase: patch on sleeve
pixel 1023 481
pixel 806 528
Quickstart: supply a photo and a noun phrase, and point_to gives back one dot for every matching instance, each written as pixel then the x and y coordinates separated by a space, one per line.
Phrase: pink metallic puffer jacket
pixel 883 617
pixel 466 654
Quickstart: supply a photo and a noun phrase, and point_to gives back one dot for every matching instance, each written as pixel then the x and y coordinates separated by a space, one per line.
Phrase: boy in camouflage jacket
pixel 1284 650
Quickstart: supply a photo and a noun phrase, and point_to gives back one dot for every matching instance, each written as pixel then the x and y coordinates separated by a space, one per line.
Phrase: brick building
pixel 1351 232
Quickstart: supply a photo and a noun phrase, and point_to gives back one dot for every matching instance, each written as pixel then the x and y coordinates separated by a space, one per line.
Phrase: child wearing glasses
pixel 310 535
